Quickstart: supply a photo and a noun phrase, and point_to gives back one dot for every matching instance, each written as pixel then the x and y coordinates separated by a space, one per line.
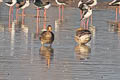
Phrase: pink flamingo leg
pixel 12 13
pixel 59 12
pixel 38 17
pixel 119 9
pixel 91 20
pixel 62 12
pixel 37 28
pixel 44 19
pixel 81 13
pixel 87 23
pixel 84 23
pixel 17 15
pixel 81 23
pixel 23 16
pixel 9 17
pixel 116 14
pixel 81 18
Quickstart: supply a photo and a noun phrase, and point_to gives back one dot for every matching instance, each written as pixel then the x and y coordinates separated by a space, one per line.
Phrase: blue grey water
pixel 23 58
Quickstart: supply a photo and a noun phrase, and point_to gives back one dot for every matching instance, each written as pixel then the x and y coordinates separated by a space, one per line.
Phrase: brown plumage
pixel 82 52
pixel 82 36
pixel 47 37
pixel 47 53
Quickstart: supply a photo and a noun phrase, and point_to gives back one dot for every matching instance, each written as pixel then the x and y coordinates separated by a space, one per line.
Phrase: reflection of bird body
pixel 25 28
pixel 2 28
pixel 82 36
pixel 47 37
pixel 46 50
pixel 48 53
pixel 92 30
pixel 82 51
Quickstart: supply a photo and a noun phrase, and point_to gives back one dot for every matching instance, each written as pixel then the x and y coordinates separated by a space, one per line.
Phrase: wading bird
pixel 39 4
pixel 84 5
pixel 61 4
pixel 23 6
pixel 11 4
pixel 115 3
pixel 86 14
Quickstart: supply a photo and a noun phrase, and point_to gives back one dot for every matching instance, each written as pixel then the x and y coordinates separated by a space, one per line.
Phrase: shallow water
pixel 23 58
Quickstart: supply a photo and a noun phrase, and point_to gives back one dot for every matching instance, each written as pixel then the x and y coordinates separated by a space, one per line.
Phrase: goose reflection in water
pixel 2 28
pixel 113 27
pixel 82 52
pixel 46 53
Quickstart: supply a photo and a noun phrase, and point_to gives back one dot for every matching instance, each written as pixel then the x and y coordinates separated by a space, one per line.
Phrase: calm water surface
pixel 23 58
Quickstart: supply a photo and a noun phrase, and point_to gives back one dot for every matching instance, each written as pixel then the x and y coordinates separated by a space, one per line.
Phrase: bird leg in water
pixel 116 13
pixel 119 10
pixel 62 12
pixel 81 14
pixel 84 23
pixel 37 21
pixel 12 13
pixel 9 16
pixel 23 16
pixel 59 12
pixel 91 20
pixel 81 23
pixel 87 23
pixel 44 19
pixel 17 15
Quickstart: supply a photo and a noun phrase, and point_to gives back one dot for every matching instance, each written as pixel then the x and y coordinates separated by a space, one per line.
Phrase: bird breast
pixel 48 35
